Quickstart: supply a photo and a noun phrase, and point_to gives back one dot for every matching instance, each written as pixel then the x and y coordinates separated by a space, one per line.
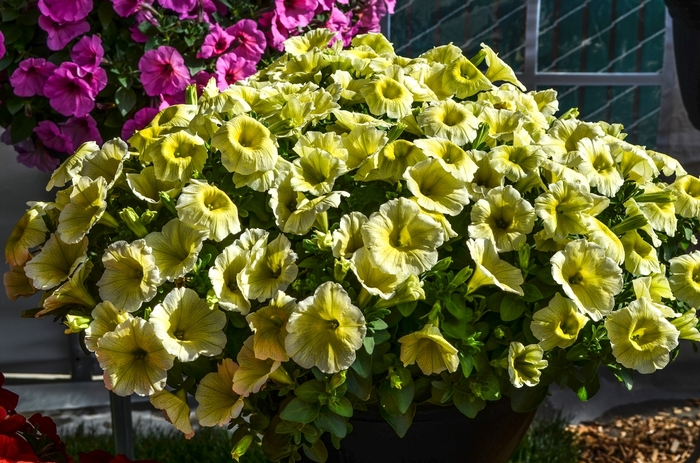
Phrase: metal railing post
pixel 122 426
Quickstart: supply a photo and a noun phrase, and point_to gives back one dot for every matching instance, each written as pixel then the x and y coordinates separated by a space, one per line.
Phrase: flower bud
pixel 133 222
pixel 76 323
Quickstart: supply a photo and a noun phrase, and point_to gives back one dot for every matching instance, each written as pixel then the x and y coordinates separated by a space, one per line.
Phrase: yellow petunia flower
pixel 133 359
pixel 253 373
pixel 71 167
pixel 498 70
pixel 87 205
pixel 516 162
pixel 107 162
pixel 246 146
pixel 599 167
pixel 314 39
pixel 316 172
pixel 453 158
pixel 641 337
pixel 525 363
pixel 372 279
pixel 588 277
pixel 175 248
pixel 224 279
pixel 601 235
pixel 503 123
pixel 17 284
pixel 73 291
pixel 503 217
pixel 634 163
pixel 187 326
pixel 362 143
pixel 271 268
pixel 56 262
pixel 146 185
pixel 401 239
pixel 558 324
pixel 640 256
pixel 687 325
pixel 643 289
pixel 217 403
pixel 325 330
pixel 391 162
pixel 661 215
pixel 105 318
pixel 29 232
pixel 491 270
pixel 429 349
pixel 206 206
pixel 348 237
pixel 463 79
pixel 435 189
pixel 268 325
pixel 687 189
pixel 264 180
pixel 563 209
pixel 485 177
pixel 131 276
pixel 177 155
pixel 385 95
pixel 330 142
pixel 449 120
pixel 176 409
pixel 684 278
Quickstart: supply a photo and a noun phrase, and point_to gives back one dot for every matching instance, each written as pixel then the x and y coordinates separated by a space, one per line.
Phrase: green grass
pixel 547 441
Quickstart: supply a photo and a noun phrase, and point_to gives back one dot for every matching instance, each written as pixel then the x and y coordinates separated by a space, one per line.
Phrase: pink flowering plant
pixel 80 70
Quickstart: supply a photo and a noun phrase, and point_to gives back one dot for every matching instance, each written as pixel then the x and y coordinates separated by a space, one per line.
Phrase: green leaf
pixel 467 363
pixel 329 421
pixel 460 278
pixel 341 407
pixel 545 275
pixel 14 104
pixel 114 120
pixel 105 12
pixel 400 422
pixel 457 306
pixel 363 363
pixel 316 452
pixel 407 308
pixel 198 368
pixel 525 399
pixel 532 293
pixel 368 342
pixel 22 127
pixel 577 352
pixel 300 411
pixel 358 386
pixel 512 307
pixel 467 403
pixel 125 99
pixel 378 324
pixel 310 390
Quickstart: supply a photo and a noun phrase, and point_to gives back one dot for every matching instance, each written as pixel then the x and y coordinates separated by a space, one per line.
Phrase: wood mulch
pixel 665 436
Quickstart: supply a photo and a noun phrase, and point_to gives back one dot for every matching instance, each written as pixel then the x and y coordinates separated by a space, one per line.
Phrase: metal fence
pixel 609 58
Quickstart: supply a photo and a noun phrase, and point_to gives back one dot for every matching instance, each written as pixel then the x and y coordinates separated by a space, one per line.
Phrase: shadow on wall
pixel 26 346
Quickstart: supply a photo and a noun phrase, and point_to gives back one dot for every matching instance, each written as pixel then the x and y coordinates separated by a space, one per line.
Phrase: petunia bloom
pixel 295 13
pixel 30 76
pixel 140 120
pixel 2 45
pixel 50 135
pixel 430 350
pixel 248 42
pixel 230 68
pixel 68 91
pixel 218 404
pixel 524 364
pixel 125 8
pixel 325 330
pixel 558 324
pixel 163 71
pixel 62 11
pixel 88 52
pixel 215 43
pixel 60 34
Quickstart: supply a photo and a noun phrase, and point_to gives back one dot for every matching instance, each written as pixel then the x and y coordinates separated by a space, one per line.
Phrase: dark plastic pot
pixel 438 434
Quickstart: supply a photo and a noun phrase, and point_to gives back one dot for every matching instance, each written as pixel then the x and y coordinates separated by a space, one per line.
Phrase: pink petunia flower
pixel 249 42
pixel 30 76
pixel 125 8
pixel 179 6
pixel 341 22
pixel 97 80
pixel 163 71
pixel 88 52
pixel 372 14
pixel 35 156
pixel 169 100
pixel 136 34
pixel 215 43
pixel 295 13
pixel 274 31
pixel 231 68
pixel 61 33
pixel 141 119
pixel 201 79
pixel 68 92
pixel 50 135
pixel 62 11
pixel 78 130
pixel 2 45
